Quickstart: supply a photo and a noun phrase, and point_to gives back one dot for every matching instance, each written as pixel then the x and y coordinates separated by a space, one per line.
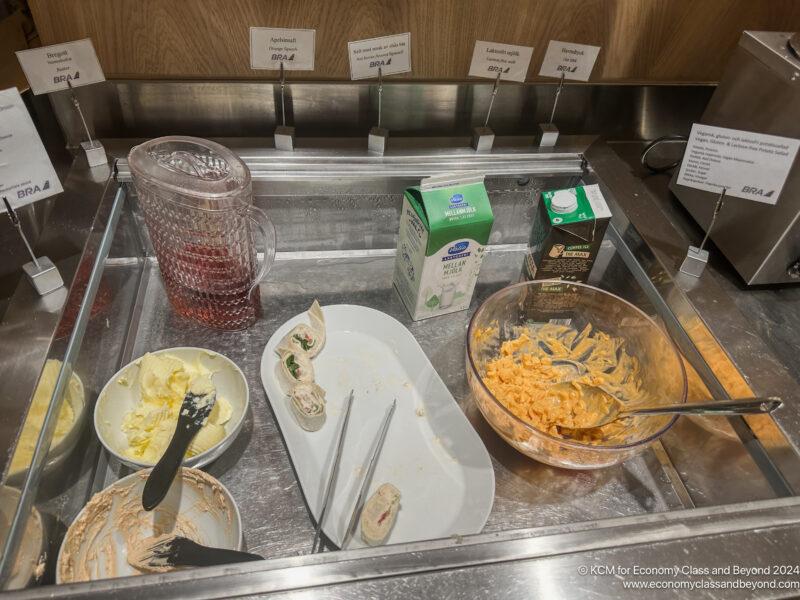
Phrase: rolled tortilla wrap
pixel 308 405
pixel 317 320
pixel 306 338
pixel 294 368
pixel 379 514
pixel 303 339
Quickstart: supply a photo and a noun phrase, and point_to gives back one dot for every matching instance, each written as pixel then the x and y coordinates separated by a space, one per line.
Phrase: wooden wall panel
pixel 642 40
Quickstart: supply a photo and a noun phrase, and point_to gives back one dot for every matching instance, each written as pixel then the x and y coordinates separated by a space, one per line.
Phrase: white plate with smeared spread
pixel 114 523
pixel 31 558
pixel 432 455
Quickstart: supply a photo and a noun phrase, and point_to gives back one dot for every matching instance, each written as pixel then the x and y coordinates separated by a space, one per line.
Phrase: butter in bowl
pixel 68 426
pixel 137 411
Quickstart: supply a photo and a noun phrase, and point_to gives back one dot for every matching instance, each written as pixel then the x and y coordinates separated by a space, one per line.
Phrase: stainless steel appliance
pixel 759 92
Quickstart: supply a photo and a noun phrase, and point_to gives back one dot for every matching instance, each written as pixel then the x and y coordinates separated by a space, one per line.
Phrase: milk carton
pixel 444 228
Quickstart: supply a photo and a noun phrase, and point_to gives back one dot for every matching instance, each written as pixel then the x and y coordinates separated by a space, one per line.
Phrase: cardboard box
pixel 567 233
pixel 566 237
pixel 444 228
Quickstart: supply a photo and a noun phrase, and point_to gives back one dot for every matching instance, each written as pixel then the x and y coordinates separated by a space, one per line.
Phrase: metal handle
pixel 384 428
pixel 334 469
pixel 555 100
pixel 15 222
pixel 80 112
pixel 717 208
pixel 283 103
pixel 380 94
pixel 743 406
pixel 491 99
pixel 261 220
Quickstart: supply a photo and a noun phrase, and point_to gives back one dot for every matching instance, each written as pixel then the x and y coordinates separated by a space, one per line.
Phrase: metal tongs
pixel 332 476
pixel 370 469
pixel 368 472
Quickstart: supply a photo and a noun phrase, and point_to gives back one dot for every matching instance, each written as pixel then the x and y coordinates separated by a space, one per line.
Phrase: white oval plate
pixel 437 461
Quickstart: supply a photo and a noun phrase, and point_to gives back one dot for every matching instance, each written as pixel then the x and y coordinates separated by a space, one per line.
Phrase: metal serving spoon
pixel 197 405
pixel 603 408
pixel 575 368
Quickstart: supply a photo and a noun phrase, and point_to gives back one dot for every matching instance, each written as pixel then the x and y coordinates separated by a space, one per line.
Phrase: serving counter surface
pixel 711 492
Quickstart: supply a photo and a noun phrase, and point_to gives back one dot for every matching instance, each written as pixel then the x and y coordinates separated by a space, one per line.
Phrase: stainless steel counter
pixel 711 493
pixel 768 315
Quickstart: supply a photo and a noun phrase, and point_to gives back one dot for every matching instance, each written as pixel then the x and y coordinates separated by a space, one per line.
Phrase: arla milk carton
pixel 444 228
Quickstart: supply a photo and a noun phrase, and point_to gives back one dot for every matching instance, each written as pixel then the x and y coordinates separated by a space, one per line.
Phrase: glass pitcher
pixel 197 201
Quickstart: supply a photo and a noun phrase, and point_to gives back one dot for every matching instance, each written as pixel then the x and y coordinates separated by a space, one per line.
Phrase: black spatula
pixel 177 551
pixel 196 407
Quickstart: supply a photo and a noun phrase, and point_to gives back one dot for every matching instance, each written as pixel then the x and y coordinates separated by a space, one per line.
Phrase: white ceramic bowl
pixel 32 545
pixel 59 451
pixel 95 536
pixel 116 400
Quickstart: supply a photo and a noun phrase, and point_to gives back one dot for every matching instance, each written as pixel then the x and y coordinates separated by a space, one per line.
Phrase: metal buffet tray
pixel 710 492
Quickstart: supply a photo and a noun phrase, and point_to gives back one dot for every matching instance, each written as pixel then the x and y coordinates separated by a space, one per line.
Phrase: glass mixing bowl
pixel 526 307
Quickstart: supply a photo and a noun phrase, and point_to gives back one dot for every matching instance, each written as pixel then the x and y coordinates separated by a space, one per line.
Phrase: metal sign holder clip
pixel 284 136
pixel 95 153
pixel 41 272
pixel 548 132
pixel 696 258
pixel 483 137
pixel 378 139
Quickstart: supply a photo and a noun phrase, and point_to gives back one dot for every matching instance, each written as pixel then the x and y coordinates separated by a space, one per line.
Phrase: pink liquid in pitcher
pixel 197 200
pixel 211 286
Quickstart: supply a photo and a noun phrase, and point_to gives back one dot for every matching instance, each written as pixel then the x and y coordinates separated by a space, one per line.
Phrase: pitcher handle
pixel 260 219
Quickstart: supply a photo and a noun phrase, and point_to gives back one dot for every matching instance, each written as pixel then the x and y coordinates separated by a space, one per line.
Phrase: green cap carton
pixel 566 237
pixel 444 228
pixel 567 233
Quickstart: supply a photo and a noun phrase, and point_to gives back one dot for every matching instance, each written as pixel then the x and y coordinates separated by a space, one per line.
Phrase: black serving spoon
pixel 196 407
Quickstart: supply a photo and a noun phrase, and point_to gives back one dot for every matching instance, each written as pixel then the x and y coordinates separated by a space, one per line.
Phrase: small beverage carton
pixel 567 233
pixel 566 237
pixel 444 228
